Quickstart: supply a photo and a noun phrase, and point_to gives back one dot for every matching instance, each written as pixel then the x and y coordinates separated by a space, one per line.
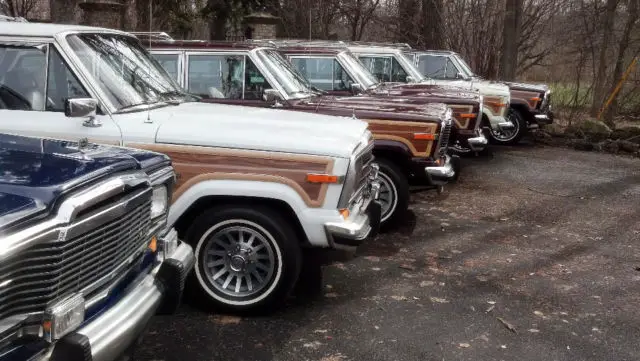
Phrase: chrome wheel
pixel 506 135
pixel 388 196
pixel 238 259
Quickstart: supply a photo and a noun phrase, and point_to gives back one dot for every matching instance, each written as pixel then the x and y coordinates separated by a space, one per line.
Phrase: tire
pixel 394 193
pixel 254 246
pixel 510 137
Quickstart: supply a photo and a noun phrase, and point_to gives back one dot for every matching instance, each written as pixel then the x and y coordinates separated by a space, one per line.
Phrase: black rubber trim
pixel 172 275
pixel 72 347
pixel 374 211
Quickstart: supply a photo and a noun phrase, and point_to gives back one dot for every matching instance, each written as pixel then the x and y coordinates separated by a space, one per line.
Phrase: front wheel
pixel 510 136
pixel 247 259
pixel 394 193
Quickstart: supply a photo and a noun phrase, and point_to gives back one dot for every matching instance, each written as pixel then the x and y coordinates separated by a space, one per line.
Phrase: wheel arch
pixel 397 152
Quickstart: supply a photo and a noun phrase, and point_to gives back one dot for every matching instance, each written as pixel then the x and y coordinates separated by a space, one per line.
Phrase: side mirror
pixel 271 95
pixel 82 108
pixel 356 88
pixel 459 76
pixel 410 79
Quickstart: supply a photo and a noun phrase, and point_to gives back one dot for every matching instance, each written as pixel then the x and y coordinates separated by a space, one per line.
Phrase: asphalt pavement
pixel 533 255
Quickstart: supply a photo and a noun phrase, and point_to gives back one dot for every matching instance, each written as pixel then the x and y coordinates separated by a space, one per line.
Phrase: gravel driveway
pixel 533 255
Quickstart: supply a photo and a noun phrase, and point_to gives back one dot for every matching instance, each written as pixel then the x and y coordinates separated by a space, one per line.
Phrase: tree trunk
pixel 510 39
pixel 632 19
pixel 432 36
pixel 407 9
pixel 599 85
pixel 64 11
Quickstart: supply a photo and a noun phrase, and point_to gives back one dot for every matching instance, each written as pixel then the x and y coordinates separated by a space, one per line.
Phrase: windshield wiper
pixel 170 96
pixel 141 106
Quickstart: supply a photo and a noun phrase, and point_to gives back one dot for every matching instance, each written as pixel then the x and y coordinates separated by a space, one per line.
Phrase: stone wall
pixel 264 31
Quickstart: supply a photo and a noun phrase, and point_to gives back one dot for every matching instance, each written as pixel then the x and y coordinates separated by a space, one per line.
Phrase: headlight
pixel 159 201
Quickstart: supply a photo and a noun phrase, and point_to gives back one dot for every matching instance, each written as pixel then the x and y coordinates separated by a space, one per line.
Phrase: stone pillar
pixel 262 25
pixel 103 13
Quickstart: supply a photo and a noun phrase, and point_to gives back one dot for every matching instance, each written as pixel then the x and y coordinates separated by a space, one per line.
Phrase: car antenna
pixel 149 53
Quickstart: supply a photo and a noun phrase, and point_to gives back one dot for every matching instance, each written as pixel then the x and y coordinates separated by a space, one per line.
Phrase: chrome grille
pixel 443 138
pixel 363 170
pixel 49 271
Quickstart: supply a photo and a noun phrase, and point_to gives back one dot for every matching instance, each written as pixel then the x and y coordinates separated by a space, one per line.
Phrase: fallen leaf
pixel 491 302
pixel 503 346
pixel 328 287
pixel 226 320
pixel 331 295
pixel 427 283
pixel 464 345
pixel 407 267
pixel 416 298
pixel 484 338
pixel 336 357
pixel 538 313
pixel 375 268
pixel 438 300
pixel 372 258
pixel 320 331
pixel 490 309
pixel 314 345
pixel 399 298
pixel 376 327
pixel 533 330
pixel 507 325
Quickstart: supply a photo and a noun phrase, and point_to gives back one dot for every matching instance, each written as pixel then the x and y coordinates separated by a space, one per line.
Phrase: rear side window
pixel 22 78
pixel 323 73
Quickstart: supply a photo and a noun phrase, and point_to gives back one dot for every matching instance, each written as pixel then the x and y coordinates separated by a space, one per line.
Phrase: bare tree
pixel 357 14
pixel 510 38
pixel 607 31
pixel 19 8
pixel 432 31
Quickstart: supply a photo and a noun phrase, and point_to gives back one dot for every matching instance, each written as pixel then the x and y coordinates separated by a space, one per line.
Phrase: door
pixel 35 82
pixel 226 79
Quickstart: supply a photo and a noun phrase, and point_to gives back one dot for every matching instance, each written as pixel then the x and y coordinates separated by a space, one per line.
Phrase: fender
pixel 520 103
pixel 222 187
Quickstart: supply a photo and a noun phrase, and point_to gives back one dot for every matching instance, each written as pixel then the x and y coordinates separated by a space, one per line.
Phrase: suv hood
pixel 35 173
pixel 367 107
pixel 232 126
pixel 450 94
pixel 489 88
pixel 527 87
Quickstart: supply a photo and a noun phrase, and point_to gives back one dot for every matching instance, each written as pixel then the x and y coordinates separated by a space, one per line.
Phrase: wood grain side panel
pixel 461 123
pixel 526 96
pixel 403 131
pixel 196 164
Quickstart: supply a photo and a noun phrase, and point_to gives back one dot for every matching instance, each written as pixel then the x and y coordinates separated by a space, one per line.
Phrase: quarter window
pixel 324 73
pixel 170 63
pixel 437 67
pixel 225 76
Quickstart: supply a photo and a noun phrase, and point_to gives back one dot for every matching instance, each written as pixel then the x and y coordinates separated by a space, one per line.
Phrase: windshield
pixel 294 84
pixel 124 71
pixel 357 70
pixel 464 66
pixel 408 67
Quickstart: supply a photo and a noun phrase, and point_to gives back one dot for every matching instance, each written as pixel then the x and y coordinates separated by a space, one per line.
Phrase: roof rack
pixel 152 35
pixel 17 19
pixel 332 43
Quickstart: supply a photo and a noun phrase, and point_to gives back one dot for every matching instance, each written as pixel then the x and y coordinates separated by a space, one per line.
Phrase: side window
pixel 254 82
pixel 216 76
pixel 380 67
pixel 397 72
pixel 22 78
pixel 61 84
pixel 323 73
pixel 318 71
pixel 170 63
pixel 437 67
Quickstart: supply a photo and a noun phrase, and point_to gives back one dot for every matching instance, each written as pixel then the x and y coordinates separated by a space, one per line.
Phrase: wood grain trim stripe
pixel 403 132
pixel 194 164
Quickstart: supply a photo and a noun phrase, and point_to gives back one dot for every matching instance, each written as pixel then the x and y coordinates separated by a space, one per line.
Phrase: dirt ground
pixel 533 255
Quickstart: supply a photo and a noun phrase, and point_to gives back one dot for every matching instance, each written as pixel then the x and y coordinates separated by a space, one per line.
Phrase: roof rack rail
pixel 16 19
pixel 334 43
pixel 151 35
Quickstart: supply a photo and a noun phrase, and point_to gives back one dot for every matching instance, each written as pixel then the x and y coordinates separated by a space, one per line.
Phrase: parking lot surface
pixel 533 255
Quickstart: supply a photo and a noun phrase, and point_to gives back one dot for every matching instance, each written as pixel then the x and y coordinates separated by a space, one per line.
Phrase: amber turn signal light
pixel 153 245
pixel 424 136
pixel 322 178
pixel 344 213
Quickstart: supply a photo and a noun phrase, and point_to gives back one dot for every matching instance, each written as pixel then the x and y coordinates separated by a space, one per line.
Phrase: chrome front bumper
pixel 359 226
pixel 479 143
pixel 442 174
pixel 108 336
